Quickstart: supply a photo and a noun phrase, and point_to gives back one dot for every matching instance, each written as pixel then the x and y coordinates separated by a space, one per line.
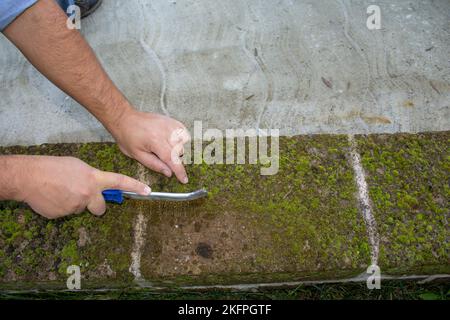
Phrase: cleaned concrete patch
pixel 301 66
pixel 302 223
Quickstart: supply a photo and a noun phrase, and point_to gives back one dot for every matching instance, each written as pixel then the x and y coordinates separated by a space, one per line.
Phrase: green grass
pixel 390 290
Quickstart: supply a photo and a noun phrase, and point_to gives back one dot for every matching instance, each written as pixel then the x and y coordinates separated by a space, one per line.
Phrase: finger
pixel 110 180
pixel 177 153
pixel 79 209
pixel 176 166
pixel 151 161
pixel 97 205
pixel 179 171
pixel 180 136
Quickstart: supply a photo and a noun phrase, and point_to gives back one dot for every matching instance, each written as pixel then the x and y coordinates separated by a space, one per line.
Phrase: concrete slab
pixel 305 223
pixel 300 66
pixel 302 223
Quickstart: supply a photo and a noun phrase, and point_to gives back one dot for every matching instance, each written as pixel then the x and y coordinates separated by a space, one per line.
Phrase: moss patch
pixel 301 223
pixel 408 176
pixel 35 250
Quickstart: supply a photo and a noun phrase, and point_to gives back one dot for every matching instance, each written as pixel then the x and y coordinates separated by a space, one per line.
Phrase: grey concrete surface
pixel 297 65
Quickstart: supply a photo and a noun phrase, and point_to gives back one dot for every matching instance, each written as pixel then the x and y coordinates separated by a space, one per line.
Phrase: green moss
pixel 69 255
pixel 38 250
pixel 107 157
pixel 302 223
pixel 408 177
pixel 304 218
pixel 41 250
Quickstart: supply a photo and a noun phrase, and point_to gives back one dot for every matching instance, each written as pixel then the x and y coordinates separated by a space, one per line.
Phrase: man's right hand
pixel 58 186
pixel 156 141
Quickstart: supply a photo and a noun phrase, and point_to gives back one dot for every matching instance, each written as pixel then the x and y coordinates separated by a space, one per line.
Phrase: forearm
pixel 11 171
pixel 67 60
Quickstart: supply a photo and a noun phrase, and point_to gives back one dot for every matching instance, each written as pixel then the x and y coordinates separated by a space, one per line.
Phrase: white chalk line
pixel 139 235
pixel 140 224
pixel 139 240
pixel 364 200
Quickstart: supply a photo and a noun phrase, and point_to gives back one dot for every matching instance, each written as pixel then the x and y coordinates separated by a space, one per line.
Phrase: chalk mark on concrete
pixel 139 228
pixel 364 200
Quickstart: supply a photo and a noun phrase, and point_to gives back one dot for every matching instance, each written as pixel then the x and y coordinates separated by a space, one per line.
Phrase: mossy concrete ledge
pixel 304 223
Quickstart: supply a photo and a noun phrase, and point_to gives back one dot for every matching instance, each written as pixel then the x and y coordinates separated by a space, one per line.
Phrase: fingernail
pixel 147 190
pixel 166 173
pixel 185 180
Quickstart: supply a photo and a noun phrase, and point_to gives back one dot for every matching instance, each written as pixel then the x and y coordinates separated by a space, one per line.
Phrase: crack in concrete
pixel 359 50
pixel 353 42
pixel 157 60
pixel 257 59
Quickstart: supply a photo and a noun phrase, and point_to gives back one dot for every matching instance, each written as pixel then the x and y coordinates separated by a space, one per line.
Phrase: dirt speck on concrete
pixel 204 250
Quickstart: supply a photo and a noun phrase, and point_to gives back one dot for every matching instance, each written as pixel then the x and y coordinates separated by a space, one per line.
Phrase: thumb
pixel 110 180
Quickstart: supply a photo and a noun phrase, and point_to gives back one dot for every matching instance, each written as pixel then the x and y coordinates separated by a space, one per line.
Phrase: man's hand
pixel 42 36
pixel 154 140
pixel 58 186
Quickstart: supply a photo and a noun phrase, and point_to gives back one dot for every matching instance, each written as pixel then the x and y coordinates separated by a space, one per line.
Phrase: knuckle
pixel 120 180
pixel 93 175
pixel 93 179
pixel 85 194
pixel 180 124
pixel 186 136
pixel 76 208
pixel 161 167
pixel 166 157
pixel 175 159
pixel 155 166
pixel 178 171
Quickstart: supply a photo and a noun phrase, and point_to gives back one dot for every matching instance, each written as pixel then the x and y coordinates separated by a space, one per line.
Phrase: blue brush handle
pixel 113 195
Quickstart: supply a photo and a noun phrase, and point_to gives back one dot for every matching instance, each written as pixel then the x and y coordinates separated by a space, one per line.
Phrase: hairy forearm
pixel 67 60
